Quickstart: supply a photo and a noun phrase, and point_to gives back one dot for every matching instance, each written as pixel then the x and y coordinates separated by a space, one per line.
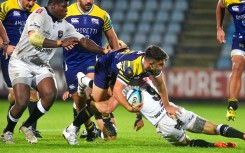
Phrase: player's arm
pixel 112 39
pixel 162 89
pixel 91 46
pixel 220 14
pixel 118 94
pixel 3 34
pixel 39 40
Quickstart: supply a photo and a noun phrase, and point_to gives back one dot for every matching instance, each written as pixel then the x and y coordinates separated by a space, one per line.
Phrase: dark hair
pixel 154 52
pixel 57 1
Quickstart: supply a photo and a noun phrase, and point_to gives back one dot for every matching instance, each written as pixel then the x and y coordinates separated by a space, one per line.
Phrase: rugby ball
pixel 134 97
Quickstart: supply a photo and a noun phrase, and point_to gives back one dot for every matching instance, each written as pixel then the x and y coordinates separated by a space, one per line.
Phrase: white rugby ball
pixel 134 97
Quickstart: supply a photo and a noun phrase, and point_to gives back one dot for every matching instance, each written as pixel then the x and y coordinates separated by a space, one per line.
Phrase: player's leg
pixel 21 87
pixel 34 98
pixel 235 85
pixel 45 84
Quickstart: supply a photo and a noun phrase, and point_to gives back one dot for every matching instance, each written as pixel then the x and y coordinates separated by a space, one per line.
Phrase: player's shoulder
pixel 72 10
pixel 9 5
pixel 99 12
pixel 229 2
pixel 36 6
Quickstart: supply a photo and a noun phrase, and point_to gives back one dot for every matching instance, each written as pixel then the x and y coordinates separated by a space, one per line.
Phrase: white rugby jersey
pixel 153 109
pixel 41 22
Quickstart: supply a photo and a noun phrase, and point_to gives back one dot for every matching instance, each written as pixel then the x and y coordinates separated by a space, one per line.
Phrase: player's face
pixel 86 5
pixel 156 67
pixel 60 10
pixel 27 4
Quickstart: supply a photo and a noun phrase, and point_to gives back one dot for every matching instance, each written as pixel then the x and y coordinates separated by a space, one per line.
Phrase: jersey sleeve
pixel 72 32
pixel 126 72
pixel 107 22
pixel 3 11
pixel 36 20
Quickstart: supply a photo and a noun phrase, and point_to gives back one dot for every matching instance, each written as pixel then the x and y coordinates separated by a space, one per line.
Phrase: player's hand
pixel 106 51
pixel 69 42
pixel 171 111
pixel 8 49
pixel 221 36
pixel 139 123
pixel 136 107
pixel 66 95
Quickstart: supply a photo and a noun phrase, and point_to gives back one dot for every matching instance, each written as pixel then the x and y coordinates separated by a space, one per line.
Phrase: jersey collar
pixel 81 11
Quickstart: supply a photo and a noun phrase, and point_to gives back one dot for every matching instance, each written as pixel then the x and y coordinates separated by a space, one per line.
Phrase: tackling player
pixel 92 22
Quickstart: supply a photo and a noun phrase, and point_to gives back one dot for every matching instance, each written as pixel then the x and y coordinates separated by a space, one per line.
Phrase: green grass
pixel 145 141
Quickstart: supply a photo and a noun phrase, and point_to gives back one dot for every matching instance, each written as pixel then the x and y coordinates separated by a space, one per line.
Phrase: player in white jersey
pixel 45 30
pixel 173 128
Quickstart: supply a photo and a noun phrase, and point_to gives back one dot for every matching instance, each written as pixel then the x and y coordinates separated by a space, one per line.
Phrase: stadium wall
pixel 182 84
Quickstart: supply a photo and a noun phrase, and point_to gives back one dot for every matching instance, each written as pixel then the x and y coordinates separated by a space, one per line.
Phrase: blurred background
pixel 198 67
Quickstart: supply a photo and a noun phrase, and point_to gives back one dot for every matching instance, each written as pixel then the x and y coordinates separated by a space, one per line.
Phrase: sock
pixel 74 110
pixel 31 107
pixel 90 84
pixel 11 123
pixel 10 106
pixel 200 143
pixel 72 128
pixel 82 116
pixel 36 114
pixel 233 103
pixel 229 132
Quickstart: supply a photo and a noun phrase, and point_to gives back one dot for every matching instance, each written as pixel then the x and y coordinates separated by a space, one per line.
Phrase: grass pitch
pixel 146 140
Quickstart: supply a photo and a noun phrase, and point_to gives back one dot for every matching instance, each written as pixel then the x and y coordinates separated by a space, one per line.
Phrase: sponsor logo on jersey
pixel 60 34
pixel 74 20
pixel 95 21
pixel 35 25
pixel 39 11
pixel 235 8
pixel 72 86
pixel 16 13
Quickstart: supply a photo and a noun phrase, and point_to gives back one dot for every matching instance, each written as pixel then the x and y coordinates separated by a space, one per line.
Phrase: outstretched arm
pixel 91 46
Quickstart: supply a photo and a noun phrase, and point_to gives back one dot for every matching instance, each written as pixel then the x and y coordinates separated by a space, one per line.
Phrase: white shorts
pixel 173 130
pixel 22 72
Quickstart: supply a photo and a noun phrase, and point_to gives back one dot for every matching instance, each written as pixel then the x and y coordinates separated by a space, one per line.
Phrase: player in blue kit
pixel 92 22
pixel 237 11
pixel 13 15
pixel 117 70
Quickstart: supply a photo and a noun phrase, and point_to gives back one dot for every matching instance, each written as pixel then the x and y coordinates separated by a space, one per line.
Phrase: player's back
pixel 14 18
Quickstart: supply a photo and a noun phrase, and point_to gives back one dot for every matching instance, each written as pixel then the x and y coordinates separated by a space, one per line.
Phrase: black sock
pixel 36 114
pixel 10 106
pixel 31 107
pixel 230 132
pixel 232 102
pixel 82 116
pixel 200 143
pixel 90 84
pixel 74 112
pixel 10 126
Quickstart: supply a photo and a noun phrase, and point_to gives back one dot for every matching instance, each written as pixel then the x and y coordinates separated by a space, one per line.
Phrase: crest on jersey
pixel 60 34
pixel 95 21
pixel 85 20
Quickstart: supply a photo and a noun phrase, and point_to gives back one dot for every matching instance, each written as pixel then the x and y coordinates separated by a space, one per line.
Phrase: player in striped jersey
pixel 117 70
pixel 13 15
pixel 92 22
